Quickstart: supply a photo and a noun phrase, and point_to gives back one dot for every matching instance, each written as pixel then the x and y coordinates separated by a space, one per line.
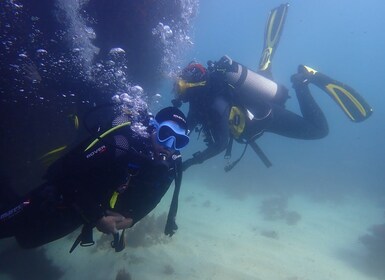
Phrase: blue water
pixel 342 39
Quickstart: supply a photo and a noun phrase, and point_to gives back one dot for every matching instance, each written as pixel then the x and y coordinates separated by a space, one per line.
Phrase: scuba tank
pixel 250 87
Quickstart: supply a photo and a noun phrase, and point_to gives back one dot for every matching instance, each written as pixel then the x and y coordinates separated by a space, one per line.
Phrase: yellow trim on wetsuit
pixel 106 133
pixel 114 199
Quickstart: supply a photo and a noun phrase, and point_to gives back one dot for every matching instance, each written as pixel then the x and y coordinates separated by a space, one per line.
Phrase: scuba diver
pixel 110 181
pixel 228 101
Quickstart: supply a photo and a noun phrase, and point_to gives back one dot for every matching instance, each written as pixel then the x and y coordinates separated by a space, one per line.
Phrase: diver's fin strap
pixel 171 225
pixel 351 102
pixel 260 154
pixel 273 31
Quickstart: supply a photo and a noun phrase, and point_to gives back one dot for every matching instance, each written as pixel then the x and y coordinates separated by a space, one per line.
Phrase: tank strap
pixel 243 76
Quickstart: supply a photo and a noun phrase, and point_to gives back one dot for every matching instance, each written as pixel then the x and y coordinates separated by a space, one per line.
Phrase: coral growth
pixel 270 234
pixel 292 217
pixel 147 232
pixel 206 204
pixel 22 264
pixel 123 275
pixel 276 209
pixel 374 241
pixel 168 269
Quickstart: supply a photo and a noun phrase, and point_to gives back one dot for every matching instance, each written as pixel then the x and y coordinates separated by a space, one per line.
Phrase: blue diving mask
pixel 171 135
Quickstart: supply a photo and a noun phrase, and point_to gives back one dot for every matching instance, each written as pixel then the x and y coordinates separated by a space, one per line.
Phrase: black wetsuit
pixel 79 187
pixel 210 108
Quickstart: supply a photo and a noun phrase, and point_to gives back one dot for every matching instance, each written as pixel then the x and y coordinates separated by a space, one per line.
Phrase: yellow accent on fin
pixel 273 31
pixel 272 39
pixel 310 70
pixel 332 89
pixel 266 55
pixel 113 199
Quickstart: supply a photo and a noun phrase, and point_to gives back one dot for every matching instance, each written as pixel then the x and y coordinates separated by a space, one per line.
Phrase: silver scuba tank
pixel 251 87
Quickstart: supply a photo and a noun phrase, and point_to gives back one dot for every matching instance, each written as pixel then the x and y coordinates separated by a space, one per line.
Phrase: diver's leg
pixel 46 219
pixel 311 125
pixel 310 110
pixel 39 218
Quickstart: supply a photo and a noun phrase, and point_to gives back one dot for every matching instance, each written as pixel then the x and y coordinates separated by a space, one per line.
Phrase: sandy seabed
pixel 221 238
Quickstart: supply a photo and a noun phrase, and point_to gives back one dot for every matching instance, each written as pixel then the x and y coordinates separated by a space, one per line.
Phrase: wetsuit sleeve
pixel 192 118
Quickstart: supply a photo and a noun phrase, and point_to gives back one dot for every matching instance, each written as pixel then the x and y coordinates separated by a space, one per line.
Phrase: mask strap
pixel 154 123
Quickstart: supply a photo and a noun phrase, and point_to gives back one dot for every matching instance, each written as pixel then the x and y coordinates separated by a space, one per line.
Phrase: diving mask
pixel 171 135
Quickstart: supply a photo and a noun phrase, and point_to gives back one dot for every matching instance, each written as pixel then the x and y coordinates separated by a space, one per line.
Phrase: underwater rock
pixel 270 234
pixel 292 217
pixel 149 231
pixel 20 264
pixel 206 204
pixel 276 209
pixel 375 241
pixel 168 269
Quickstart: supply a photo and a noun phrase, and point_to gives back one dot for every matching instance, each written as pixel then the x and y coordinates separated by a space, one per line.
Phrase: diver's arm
pixel 192 118
pixel 311 125
pixel 220 138
pixel 201 156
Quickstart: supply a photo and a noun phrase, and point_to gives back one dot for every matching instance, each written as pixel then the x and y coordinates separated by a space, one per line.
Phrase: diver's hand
pixel 113 222
pixel 171 228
